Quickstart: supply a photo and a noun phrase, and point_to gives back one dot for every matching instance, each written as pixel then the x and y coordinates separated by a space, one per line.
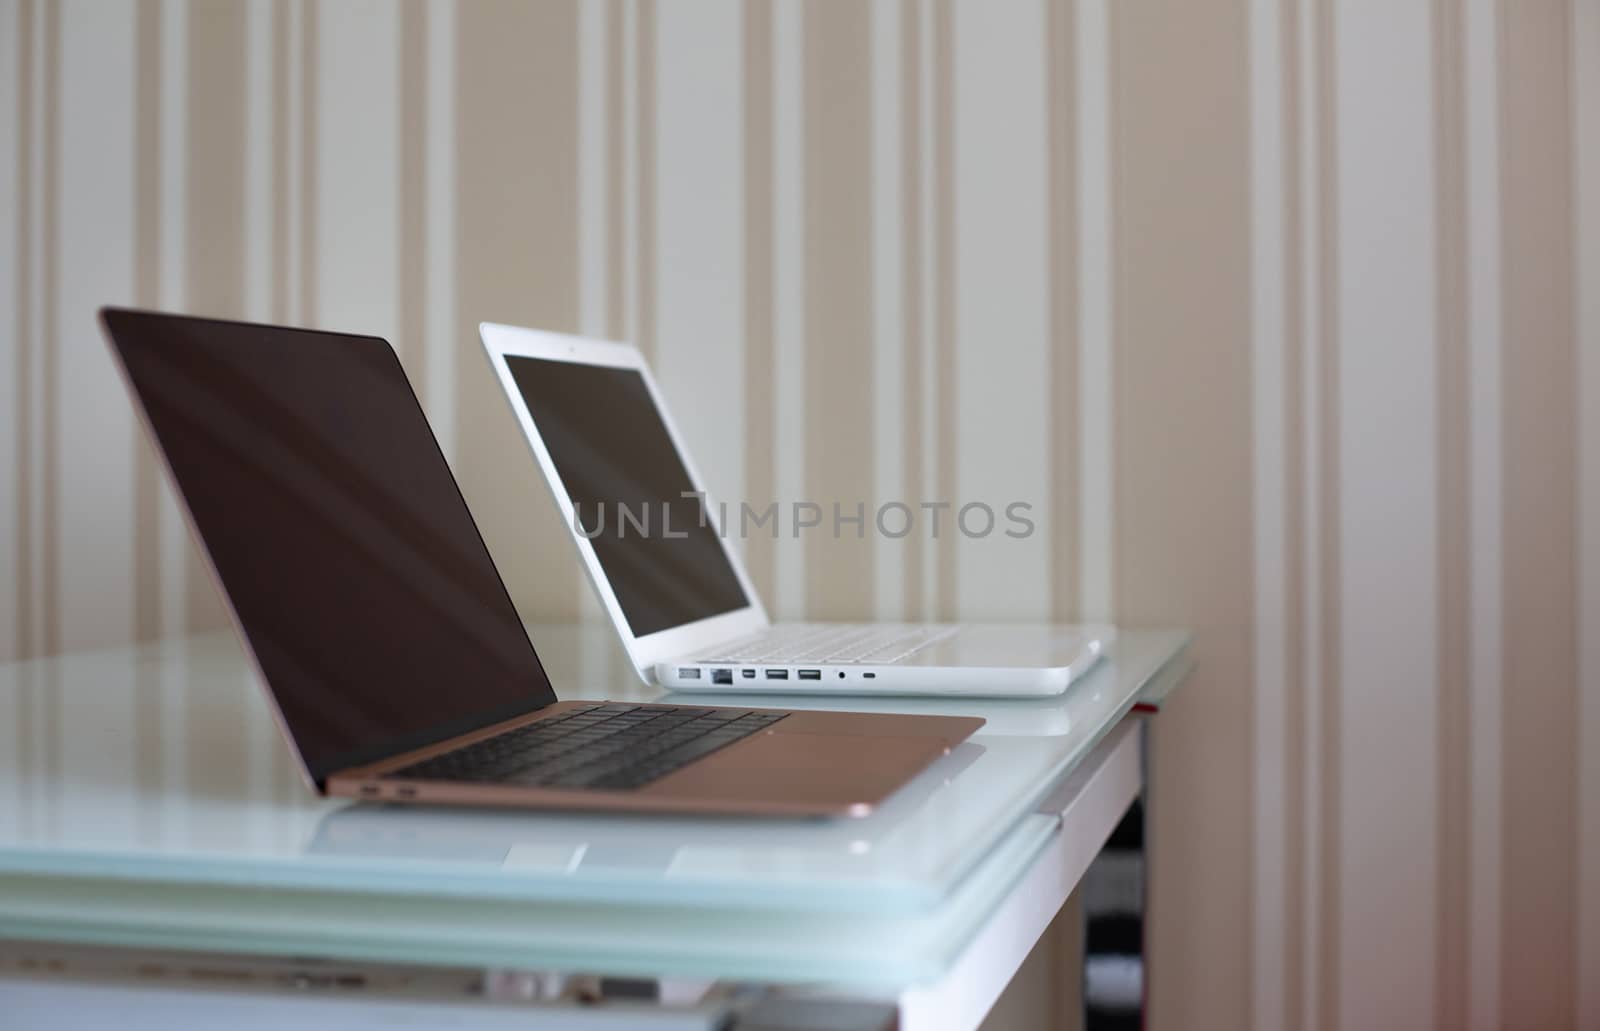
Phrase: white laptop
pixel 650 537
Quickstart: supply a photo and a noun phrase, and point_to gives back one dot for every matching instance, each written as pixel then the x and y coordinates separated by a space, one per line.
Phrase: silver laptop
pixel 648 534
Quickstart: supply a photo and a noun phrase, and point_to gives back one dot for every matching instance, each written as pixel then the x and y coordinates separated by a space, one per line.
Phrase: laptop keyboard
pixel 834 642
pixel 611 747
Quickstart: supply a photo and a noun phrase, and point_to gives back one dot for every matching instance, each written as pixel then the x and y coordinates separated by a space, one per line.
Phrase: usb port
pixel 689 672
pixel 810 674
pixel 748 674
pixel 777 674
pixel 722 676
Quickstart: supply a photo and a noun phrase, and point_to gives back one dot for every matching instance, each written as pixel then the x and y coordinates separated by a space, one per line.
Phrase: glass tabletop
pixel 159 766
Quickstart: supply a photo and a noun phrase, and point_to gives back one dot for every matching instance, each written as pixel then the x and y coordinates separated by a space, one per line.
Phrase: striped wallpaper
pixel 1282 314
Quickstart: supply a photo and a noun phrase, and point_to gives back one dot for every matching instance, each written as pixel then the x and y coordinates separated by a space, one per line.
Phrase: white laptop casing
pixel 980 659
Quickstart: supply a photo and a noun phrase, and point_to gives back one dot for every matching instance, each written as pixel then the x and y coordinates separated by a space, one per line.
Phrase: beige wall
pixel 1282 314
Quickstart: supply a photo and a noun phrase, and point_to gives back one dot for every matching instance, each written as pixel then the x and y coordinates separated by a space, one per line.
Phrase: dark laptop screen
pixel 615 458
pixel 337 530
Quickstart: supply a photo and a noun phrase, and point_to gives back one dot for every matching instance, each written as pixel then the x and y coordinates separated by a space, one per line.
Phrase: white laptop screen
pixel 633 496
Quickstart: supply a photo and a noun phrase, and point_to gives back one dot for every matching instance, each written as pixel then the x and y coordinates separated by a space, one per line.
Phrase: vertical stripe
pixel 308 70
pixel 279 303
pixel 593 220
pixel 1061 507
pixel 1539 876
pixel 29 155
pixel 1000 250
pixel 259 186
pixel 173 158
pixel 1453 806
pixel 215 114
pixel 788 302
pixel 1096 495
pixel 47 486
pixel 285 256
pixel 1269 415
pixel 698 260
pixel 358 146
pixel 1317 696
pixel 353 224
pixel 1291 811
pixel 1586 174
pixel 175 551
pixel 644 128
pixel 1482 144
pixel 279 104
pixel 1182 426
pixel 889 427
pixel 439 229
pixel 412 188
pixel 616 101
pixel 147 557
pixel 837 112
pixel 29 166
pixel 267 761
pixel 45 704
pixel 1325 374
pixel 1386 425
pixel 17 278
pixel 214 250
pixel 92 455
pixel 282 238
pixel 913 337
pixel 943 331
pixel 91 428
pixel 626 268
pixel 759 321
pixel 516 250
pixel 13 148
pixel 927 366
pixel 147 294
pixel 1309 979
pixel 215 231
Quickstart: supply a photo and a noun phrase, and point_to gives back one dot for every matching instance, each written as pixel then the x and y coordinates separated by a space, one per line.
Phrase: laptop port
pixel 748 674
pixel 810 674
pixel 777 674
pixel 869 676
pixel 689 672
pixel 722 676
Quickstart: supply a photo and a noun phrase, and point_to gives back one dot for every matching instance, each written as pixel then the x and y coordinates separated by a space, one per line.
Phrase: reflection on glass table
pixel 161 763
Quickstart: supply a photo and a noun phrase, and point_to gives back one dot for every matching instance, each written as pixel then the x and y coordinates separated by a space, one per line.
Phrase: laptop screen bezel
pixel 501 341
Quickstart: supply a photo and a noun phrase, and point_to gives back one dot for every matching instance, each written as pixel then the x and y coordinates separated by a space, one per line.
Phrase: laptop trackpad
pixel 834 769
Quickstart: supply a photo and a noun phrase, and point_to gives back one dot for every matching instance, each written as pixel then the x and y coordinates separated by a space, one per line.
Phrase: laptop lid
pixel 355 574
pixel 627 492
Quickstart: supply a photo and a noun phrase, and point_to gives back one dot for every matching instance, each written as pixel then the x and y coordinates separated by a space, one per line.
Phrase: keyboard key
pixel 611 746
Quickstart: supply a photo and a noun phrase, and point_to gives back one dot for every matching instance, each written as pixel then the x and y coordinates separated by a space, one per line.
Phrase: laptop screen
pixel 618 464
pixel 338 533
